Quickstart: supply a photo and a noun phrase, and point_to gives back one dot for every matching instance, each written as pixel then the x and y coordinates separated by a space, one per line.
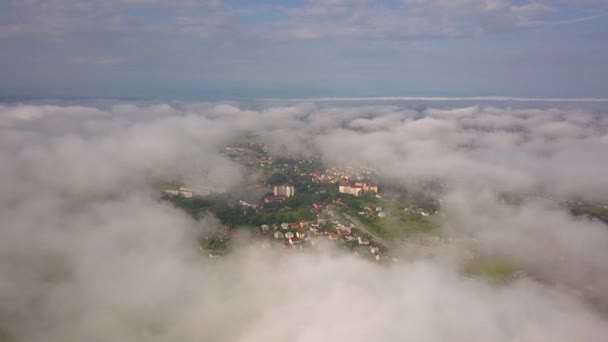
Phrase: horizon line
pixel 448 98
pixel 321 98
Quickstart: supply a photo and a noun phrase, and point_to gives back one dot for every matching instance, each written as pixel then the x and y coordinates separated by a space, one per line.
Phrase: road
pixel 363 227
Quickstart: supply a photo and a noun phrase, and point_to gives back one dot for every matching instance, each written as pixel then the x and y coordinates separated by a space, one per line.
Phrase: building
pixel 357 188
pixel 247 205
pixel 344 229
pixel 284 190
pixel 278 235
pixel 171 192
pixel 363 241
pixel 186 192
pixel 367 187
pixel 350 189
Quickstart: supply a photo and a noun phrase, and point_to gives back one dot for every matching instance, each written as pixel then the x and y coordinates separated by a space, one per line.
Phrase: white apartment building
pixel 284 190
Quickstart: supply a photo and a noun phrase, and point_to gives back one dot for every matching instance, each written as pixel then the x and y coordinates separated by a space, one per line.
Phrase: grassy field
pixel 593 210
pixel 397 224
pixel 411 224
pixel 218 205
pixel 494 269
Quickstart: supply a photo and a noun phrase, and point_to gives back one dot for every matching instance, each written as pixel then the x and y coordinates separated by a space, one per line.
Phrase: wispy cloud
pixel 188 42
pixel 579 19
pixel 302 19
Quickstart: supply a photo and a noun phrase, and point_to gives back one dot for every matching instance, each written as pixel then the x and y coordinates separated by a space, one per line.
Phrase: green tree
pixel 277 178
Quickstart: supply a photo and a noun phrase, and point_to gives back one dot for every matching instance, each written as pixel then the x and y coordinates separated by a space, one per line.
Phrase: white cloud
pixel 214 20
pixel 86 251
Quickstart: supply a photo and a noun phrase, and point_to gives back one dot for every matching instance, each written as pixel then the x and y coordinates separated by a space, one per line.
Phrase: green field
pixel 234 215
pixel 592 210
pixel 490 268
pixel 397 224
pixel 413 224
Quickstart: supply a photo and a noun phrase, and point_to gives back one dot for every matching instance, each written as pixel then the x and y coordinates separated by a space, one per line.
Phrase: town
pixel 297 203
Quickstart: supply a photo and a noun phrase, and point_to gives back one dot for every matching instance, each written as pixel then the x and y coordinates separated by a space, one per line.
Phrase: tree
pixel 277 178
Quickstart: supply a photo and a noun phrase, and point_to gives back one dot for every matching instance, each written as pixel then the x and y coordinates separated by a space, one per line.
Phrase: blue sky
pixel 233 48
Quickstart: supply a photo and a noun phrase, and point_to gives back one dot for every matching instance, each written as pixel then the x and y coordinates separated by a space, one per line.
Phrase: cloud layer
pixel 86 252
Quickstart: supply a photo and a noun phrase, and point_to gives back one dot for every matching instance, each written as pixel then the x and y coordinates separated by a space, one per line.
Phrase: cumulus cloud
pixel 540 235
pixel 86 252
pixel 83 150
pixel 502 148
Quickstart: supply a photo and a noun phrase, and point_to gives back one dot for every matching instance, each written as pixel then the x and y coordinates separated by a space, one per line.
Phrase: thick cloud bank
pixel 87 253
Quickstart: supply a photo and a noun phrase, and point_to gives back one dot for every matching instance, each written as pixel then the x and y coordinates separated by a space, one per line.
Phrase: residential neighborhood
pixel 298 204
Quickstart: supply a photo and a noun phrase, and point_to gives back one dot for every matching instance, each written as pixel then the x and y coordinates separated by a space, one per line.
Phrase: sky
pixel 266 48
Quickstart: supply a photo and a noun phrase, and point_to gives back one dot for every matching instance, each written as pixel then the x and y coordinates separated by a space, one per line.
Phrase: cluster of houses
pixel 186 192
pixel 305 234
pixel 419 211
pixel 336 175
pixel 245 155
pixel 189 192
pixel 369 212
